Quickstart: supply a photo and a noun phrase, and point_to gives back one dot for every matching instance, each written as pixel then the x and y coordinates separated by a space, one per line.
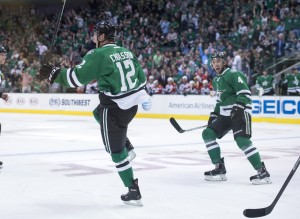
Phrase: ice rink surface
pixel 56 167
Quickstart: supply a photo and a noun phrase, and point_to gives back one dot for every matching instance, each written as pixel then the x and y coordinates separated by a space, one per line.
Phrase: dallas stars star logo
pixel 219 94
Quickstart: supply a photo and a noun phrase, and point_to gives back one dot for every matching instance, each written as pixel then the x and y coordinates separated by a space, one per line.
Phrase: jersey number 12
pixel 126 74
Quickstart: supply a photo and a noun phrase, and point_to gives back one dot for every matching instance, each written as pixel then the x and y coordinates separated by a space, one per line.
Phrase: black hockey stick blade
pixel 176 125
pixel 180 130
pixel 260 212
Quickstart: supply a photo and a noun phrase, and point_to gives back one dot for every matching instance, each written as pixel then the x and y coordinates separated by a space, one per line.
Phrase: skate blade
pixel 137 203
pixel 131 155
pixel 261 181
pixel 221 177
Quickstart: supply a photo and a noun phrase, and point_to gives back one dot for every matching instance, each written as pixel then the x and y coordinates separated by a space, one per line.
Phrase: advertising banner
pixel 163 106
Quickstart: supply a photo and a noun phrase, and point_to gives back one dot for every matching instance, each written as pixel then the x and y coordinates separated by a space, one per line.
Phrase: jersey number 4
pixel 126 73
pixel 240 80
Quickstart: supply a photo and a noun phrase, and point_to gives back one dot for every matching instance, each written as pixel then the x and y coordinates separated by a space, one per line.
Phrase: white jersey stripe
pixel 243 91
pixel 210 142
pixel 75 79
pixel 120 169
pixel 248 148
pixel 69 77
pixel 121 162
pixel 253 152
pixel 213 147
pixel 105 131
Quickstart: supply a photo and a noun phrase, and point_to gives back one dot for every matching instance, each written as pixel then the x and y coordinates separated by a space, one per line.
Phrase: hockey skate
pixel 262 176
pixel 133 197
pixel 217 174
pixel 131 153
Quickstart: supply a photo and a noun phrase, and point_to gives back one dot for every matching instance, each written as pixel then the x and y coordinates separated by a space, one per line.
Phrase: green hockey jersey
pixel 231 87
pixel 293 82
pixel 119 75
pixel 265 82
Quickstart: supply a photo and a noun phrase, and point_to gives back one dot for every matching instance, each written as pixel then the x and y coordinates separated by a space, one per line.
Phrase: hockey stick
pixel 57 25
pixel 260 212
pixel 180 130
pixel 49 54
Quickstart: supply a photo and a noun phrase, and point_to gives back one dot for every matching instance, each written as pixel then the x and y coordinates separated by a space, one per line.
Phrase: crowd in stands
pixel 172 39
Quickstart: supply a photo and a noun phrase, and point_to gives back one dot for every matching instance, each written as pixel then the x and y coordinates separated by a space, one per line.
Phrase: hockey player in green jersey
pixel 232 112
pixel 121 83
pixel 293 80
pixel 266 84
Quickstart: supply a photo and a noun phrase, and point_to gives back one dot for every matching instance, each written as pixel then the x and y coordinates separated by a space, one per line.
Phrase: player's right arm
pixel 217 107
pixel 78 76
pixel 214 114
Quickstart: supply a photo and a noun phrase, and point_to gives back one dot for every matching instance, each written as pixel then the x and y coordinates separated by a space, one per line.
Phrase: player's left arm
pixel 239 83
pixel 243 101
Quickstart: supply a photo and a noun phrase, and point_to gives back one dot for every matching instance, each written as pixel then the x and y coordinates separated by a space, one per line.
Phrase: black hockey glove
pixel 49 72
pixel 238 111
pixel 213 116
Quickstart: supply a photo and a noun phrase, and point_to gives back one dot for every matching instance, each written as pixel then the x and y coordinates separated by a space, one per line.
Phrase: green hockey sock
pixel 213 148
pixel 251 152
pixel 123 167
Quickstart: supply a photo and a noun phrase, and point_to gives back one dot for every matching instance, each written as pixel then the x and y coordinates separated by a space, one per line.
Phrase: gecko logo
pixel 54 102
pixel 286 107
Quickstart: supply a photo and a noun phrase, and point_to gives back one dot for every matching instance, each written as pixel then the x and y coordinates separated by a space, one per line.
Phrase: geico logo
pixel 20 101
pixel 289 107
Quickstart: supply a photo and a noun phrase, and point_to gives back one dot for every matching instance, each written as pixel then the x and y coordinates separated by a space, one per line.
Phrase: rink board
pixel 264 109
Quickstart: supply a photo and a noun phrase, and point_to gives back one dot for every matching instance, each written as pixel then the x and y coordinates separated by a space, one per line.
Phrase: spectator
pixel 237 61
pixel 279 46
pixel 163 78
pixel 241 28
pixel 41 48
pixel 283 85
pixel 184 86
pixel 205 90
pixel 192 88
pixel 293 82
pixel 27 81
pixel 265 84
pixel 164 26
pixel 171 87
pixel 157 88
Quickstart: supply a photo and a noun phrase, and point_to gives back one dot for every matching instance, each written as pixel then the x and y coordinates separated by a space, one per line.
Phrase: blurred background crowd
pixel 173 40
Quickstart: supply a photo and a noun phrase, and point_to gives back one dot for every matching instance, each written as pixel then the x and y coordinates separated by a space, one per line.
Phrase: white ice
pixel 56 167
